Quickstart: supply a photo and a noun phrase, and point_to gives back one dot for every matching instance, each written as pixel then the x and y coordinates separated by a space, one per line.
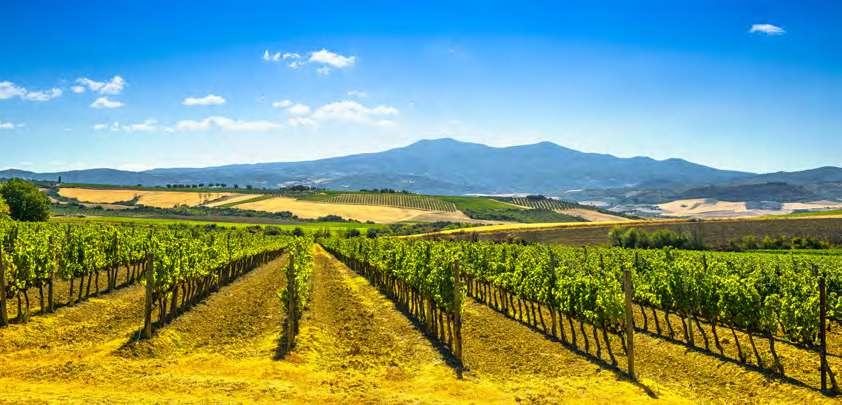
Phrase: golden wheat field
pixel 304 209
pixel 160 199
pixel 378 214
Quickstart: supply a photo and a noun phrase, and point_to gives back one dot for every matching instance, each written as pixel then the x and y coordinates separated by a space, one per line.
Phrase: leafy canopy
pixel 25 201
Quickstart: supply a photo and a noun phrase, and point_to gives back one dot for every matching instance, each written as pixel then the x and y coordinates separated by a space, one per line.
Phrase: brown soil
pixel 227 322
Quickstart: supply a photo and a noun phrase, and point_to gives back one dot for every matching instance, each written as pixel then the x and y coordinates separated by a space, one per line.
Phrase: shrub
pixel 640 239
pixel 25 201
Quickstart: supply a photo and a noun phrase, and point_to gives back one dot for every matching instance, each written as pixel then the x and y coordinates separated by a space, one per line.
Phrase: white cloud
pixel 105 102
pixel 145 126
pixel 767 29
pixel 271 57
pixel 10 125
pixel 277 57
pixel 226 124
pixel 9 90
pixel 326 60
pixel 149 125
pixel 78 89
pixel 299 109
pixel 45 95
pixel 354 112
pixel 113 86
pixel 210 99
pixel 292 108
pixel 282 104
pixel 333 59
pixel 301 122
pixel 357 93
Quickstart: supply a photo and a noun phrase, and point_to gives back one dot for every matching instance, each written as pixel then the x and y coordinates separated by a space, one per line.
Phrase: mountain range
pixel 448 166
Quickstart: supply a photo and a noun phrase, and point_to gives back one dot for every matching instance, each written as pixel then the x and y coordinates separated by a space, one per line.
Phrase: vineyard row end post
pixel 822 336
pixel 627 289
pixel 4 317
pixel 457 313
pixel 290 304
pixel 147 309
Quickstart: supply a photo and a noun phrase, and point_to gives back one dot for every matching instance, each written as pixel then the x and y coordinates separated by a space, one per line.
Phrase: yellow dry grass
pixel 592 216
pixel 160 199
pixel 379 214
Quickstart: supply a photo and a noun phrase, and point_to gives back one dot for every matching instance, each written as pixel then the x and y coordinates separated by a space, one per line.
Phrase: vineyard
pixel 492 311
pixel 551 204
pixel 398 200
pixel 178 267
pixel 571 293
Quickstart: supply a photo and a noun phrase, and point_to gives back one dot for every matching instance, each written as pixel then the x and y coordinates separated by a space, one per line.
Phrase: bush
pixel 751 242
pixel 639 239
pixel 25 201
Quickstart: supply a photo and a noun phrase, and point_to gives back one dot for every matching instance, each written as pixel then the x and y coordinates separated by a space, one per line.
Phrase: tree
pixel 25 201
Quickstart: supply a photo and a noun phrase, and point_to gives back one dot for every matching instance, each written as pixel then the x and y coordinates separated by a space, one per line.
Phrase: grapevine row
pixel 43 255
pixel 184 266
pixel 296 293
pixel 421 277
pixel 399 200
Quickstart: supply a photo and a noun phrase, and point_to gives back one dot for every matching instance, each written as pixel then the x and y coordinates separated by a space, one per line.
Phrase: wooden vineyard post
pixel 147 310
pixel 627 289
pixel 290 302
pixel 822 337
pixel 50 299
pixel 4 317
pixel 457 313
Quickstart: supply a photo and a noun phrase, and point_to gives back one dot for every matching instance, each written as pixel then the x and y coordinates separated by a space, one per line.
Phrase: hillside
pixel 441 166
pixel 450 167
pixel 310 205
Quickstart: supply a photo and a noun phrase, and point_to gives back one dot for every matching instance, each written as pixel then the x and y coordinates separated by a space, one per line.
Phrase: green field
pixel 542 203
pixel 813 213
pixel 490 209
pixel 400 200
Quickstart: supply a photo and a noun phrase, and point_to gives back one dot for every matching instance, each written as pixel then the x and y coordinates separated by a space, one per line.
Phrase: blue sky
pixel 135 85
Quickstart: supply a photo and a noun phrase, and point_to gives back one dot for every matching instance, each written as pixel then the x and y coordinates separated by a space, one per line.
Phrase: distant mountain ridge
pixel 448 166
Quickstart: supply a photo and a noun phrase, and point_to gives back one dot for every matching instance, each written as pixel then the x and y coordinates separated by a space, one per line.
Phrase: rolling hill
pixel 441 166
pixel 450 167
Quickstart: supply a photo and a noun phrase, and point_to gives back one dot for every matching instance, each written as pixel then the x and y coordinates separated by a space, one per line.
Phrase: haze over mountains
pixel 447 166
